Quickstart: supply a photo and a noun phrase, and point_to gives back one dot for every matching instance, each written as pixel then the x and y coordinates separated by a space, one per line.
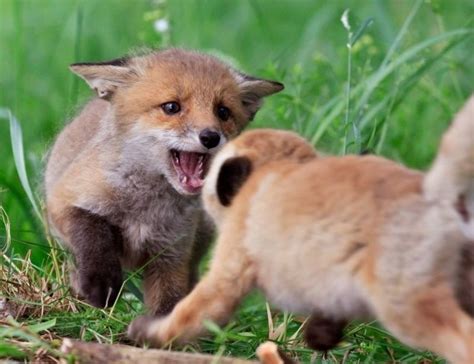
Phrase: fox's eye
pixel 223 113
pixel 171 108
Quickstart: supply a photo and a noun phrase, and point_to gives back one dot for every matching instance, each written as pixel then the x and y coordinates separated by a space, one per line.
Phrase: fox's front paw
pixel 100 285
pixel 148 330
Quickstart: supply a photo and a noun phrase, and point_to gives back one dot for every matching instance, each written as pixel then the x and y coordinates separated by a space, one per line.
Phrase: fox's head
pixel 246 154
pixel 174 109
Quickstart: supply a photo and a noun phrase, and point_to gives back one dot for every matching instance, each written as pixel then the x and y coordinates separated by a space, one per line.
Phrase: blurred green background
pixel 399 112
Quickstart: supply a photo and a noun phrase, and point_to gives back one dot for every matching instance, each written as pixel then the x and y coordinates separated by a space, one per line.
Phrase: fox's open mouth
pixel 191 168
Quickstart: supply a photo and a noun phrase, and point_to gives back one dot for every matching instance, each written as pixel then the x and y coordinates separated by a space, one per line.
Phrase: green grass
pixel 389 83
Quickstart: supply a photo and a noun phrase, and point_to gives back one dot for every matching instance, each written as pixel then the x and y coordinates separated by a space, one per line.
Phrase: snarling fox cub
pixel 339 238
pixel 123 178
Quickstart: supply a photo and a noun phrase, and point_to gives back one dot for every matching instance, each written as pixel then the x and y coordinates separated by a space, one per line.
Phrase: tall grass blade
pixel 351 40
pixel 6 223
pixel 373 81
pixel 385 71
pixel 408 83
pixel 19 156
pixel 403 30
pixel 347 26
pixel 360 32
pixel 77 53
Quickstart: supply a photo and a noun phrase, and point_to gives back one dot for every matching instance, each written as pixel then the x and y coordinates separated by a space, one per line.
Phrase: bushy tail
pixel 451 177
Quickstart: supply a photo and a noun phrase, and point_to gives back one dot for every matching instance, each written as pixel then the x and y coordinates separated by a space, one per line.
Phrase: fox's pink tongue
pixel 195 182
pixel 191 166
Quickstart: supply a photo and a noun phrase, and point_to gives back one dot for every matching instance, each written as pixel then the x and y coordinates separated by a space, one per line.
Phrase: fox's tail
pixel 451 177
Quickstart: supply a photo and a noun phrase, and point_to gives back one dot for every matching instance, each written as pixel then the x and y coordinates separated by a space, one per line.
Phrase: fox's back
pixel 74 139
pixel 349 193
pixel 324 217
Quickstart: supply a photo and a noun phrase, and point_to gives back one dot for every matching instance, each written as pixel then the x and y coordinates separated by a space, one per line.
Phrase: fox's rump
pixel 451 178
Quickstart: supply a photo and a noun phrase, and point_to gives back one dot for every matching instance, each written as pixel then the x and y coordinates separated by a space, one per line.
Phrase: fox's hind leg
pixel 214 298
pixel 97 246
pixel 431 319
pixel 465 279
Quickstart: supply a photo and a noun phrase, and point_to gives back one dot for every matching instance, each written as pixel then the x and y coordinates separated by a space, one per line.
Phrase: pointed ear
pixel 232 175
pixel 104 77
pixel 253 90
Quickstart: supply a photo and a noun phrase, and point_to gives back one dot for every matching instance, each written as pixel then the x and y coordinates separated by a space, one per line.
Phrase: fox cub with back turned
pixel 123 178
pixel 339 238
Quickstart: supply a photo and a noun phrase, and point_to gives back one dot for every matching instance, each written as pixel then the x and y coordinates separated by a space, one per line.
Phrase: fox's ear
pixel 232 175
pixel 253 90
pixel 104 77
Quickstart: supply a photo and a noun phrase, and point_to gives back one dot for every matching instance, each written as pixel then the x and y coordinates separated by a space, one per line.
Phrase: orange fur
pixel 352 237
pixel 124 166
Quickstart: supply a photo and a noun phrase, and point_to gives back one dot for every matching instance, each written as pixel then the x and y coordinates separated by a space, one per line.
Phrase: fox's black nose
pixel 209 138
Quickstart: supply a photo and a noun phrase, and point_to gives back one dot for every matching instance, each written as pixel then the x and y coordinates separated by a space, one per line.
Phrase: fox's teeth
pixel 175 156
pixel 200 164
pixel 200 159
pixel 185 179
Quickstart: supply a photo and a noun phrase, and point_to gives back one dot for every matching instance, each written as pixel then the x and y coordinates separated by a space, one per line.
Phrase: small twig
pixel 121 354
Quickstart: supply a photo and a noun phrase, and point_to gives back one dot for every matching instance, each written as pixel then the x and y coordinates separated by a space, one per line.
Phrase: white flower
pixel 161 25
pixel 345 20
